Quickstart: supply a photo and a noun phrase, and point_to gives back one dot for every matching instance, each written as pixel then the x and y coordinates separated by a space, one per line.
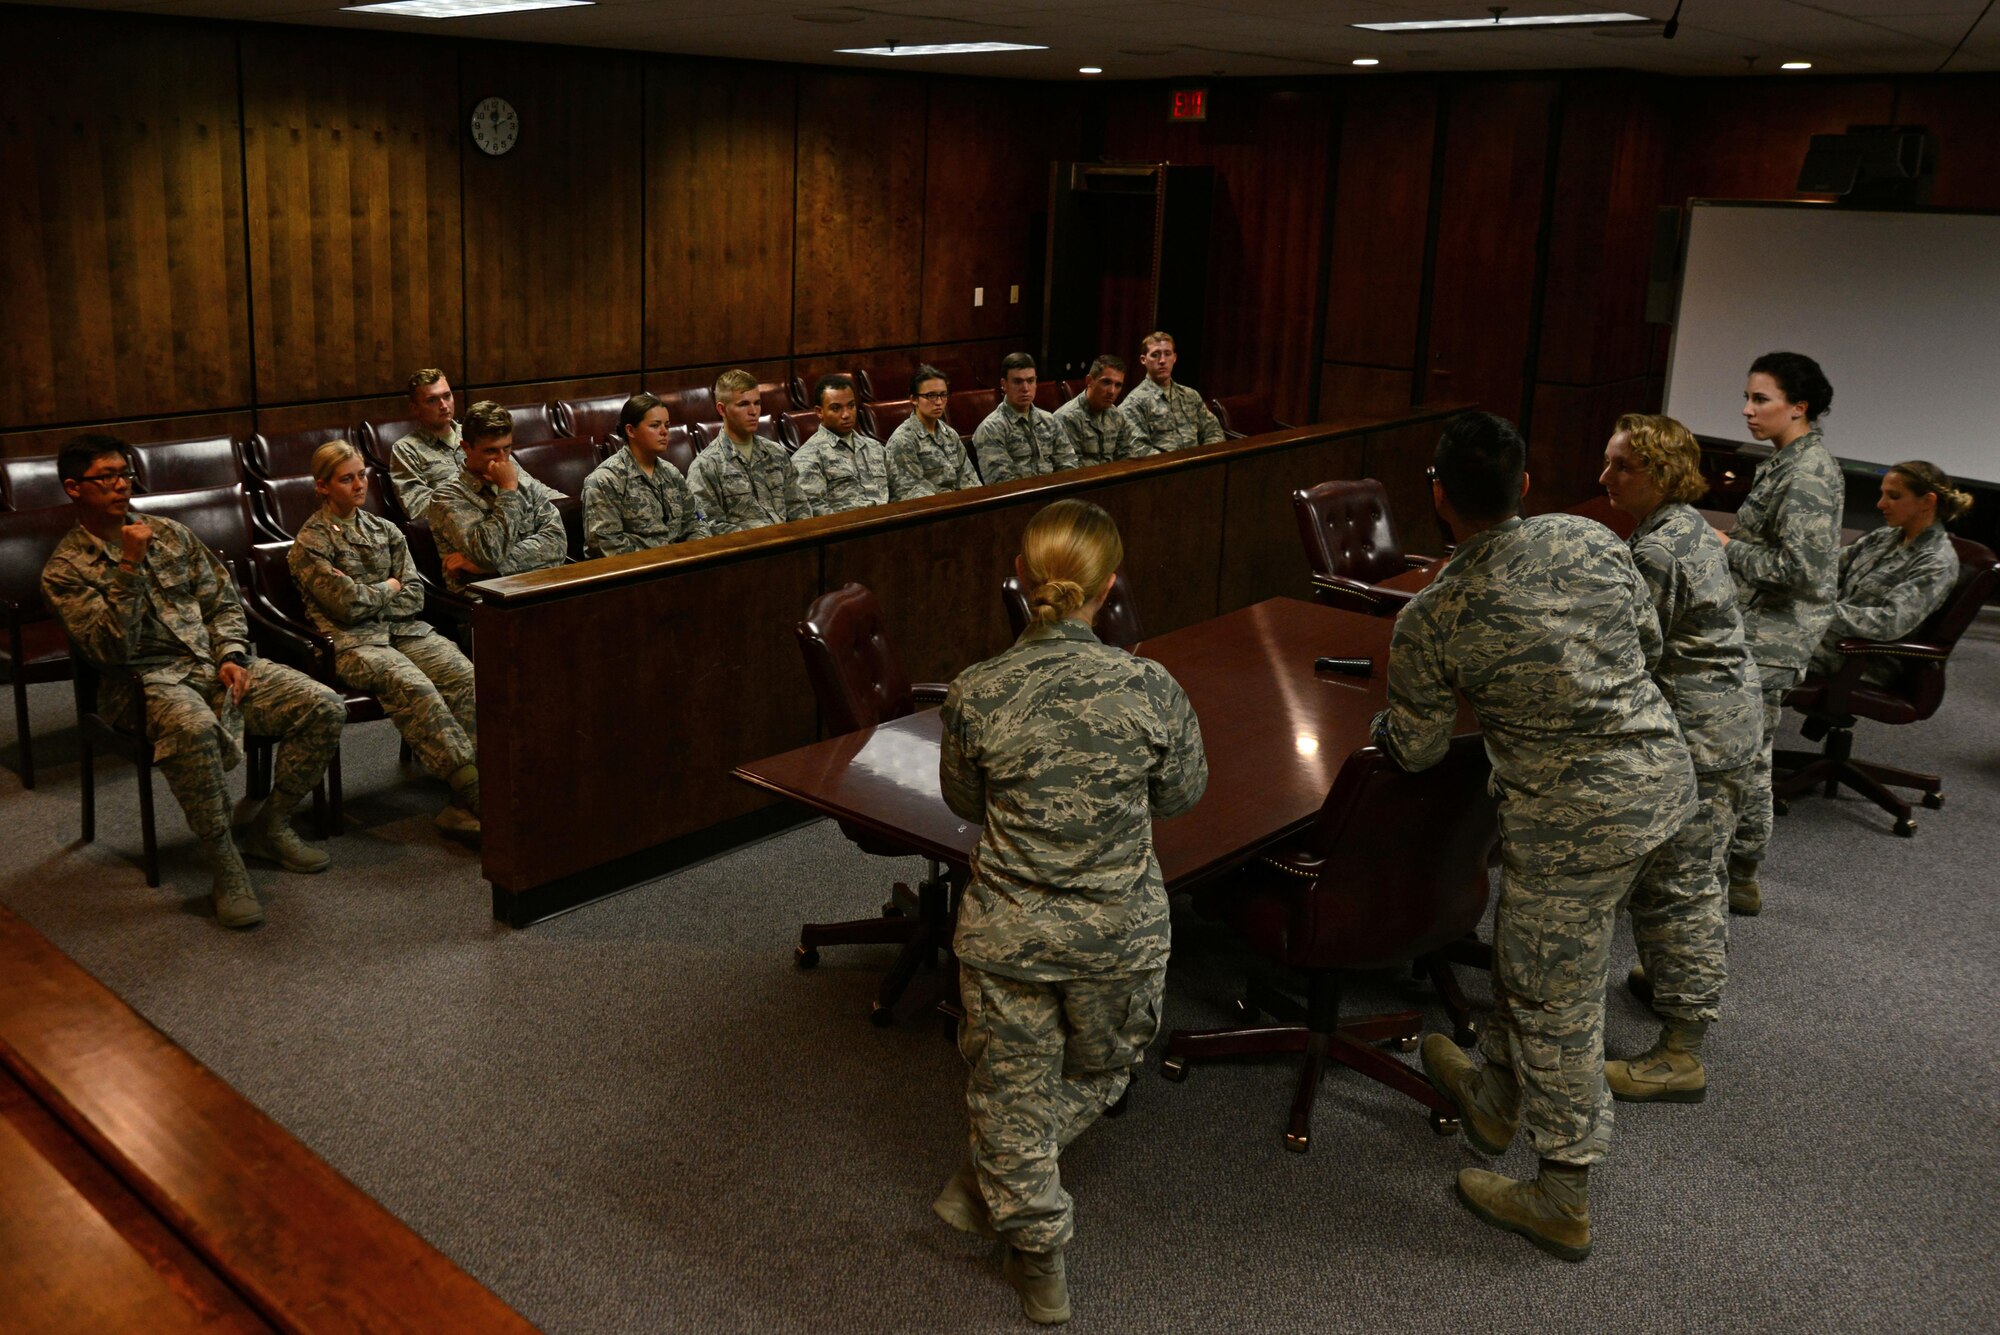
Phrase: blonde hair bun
pixel 1069 551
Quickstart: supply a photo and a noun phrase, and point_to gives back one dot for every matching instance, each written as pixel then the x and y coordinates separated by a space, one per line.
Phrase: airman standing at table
pixel 142 594
pixel 742 480
pixel 428 457
pixel 1018 439
pixel 492 518
pixel 1168 416
pixel 1546 628
pixel 1896 576
pixel 1680 913
pixel 1785 555
pixel 1093 423
pixel 1067 750
pixel 839 467
pixel 637 499
pixel 926 455
pixel 361 590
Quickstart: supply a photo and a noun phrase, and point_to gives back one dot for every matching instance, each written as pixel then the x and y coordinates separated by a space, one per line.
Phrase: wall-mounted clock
pixel 495 126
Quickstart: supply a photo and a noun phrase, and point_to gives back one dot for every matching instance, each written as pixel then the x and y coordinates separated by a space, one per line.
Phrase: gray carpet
pixel 640 1117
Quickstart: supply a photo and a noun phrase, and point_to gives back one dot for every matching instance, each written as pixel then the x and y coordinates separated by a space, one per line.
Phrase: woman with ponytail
pixel 1898 575
pixel 1067 750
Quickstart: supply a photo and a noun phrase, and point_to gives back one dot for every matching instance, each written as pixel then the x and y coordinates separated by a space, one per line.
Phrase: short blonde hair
pixel 1158 336
pixel 328 458
pixel 1067 552
pixel 1669 452
pixel 1927 479
pixel 731 383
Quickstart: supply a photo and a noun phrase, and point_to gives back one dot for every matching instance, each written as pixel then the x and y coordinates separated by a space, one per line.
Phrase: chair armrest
pixel 1416 562
pixel 1298 863
pixel 1340 591
pixel 283 639
pixel 929 692
pixel 1894 649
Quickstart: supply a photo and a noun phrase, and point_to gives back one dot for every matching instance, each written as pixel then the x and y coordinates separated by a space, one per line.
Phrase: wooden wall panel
pixel 1381 213
pixel 860 216
pixel 145 431
pixel 1963 111
pixel 1345 390
pixel 1572 422
pixel 355 246
pixel 1397 459
pixel 552 228
pixel 719 186
pixel 1746 138
pixel 121 242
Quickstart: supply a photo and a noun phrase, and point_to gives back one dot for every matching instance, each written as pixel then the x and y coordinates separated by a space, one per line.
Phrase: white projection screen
pixel 1901 310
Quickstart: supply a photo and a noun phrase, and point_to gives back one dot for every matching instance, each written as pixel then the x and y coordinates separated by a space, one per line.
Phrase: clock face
pixel 495 126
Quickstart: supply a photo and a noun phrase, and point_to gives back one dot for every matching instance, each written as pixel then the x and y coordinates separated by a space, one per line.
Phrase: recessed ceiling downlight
pixel 458 9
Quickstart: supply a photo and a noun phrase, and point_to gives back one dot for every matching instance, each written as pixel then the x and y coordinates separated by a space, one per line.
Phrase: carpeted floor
pixel 641 1117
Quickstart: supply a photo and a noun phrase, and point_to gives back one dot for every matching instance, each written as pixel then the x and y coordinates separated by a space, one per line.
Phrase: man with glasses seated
pixel 142 594
pixel 491 518
pixel 925 455
pixel 427 458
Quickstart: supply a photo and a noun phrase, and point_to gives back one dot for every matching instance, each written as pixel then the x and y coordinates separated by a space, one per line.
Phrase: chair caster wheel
pixel 805 957
pixel 1935 801
pixel 1297 1144
pixel 1404 1044
pixel 1444 1124
pixel 1247 1012
pixel 1174 1069
pixel 1465 1037
pixel 881 1016
pixel 1780 807
pixel 1906 828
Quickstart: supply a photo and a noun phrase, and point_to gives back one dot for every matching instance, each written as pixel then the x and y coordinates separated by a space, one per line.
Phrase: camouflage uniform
pixel 1680 911
pixel 170 625
pixel 1099 438
pixel 1011 444
pixel 1067 750
pixel 1888 587
pixel 420 463
pixel 839 473
pixel 1784 553
pixel 927 463
pixel 342 567
pixel 627 510
pixel 738 493
pixel 1173 418
pixel 1545 627
pixel 505 532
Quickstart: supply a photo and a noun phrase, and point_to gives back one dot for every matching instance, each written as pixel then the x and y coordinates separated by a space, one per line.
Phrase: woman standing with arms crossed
pixel 1067 749
pixel 1783 553
pixel 362 592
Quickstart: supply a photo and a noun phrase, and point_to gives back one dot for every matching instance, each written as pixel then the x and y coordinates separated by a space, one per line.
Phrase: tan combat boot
pixel 1553 1211
pixel 1040 1279
pixel 1668 1072
pixel 961 1205
pixel 462 815
pixel 1745 898
pixel 270 837
pixel 235 902
pixel 1489 1107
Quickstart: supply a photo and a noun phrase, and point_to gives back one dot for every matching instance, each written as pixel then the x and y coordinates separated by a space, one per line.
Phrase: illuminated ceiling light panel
pixel 458 9
pixel 1089 69
pixel 1367 60
pixel 937 49
pixel 1506 21
pixel 1796 65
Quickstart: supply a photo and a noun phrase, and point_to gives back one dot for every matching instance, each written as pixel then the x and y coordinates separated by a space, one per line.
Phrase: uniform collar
pixel 1068 628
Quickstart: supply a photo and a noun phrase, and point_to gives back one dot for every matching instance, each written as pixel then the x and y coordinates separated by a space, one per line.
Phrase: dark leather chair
pixel 533 423
pixel 1350 542
pixel 278 505
pixel 1117 621
pixel 450 612
pixel 799 426
pixel 219 516
pixel 693 404
pixel 681 448
pixel 594 418
pixel 884 415
pixel 377 437
pixel 187 465
pixel 1048 395
pixel 1834 704
pixel 967 408
pixel 31 483
pixel 1394 869
pixel 288 453
pixel 36 649
pixel 563 465
pixel 1246 415
pixel 859 683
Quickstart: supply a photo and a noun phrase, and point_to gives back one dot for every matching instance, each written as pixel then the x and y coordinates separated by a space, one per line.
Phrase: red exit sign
pixel 1190 104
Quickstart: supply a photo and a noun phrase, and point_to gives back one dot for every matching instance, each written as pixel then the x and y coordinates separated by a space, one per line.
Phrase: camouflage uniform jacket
pixel 1011 444
pixel 420 463
pixel 1785 552
pixel 1173 418
pixel 927 463
pixel 1546 628
pixel 1099 438
pixel 1887 589
pixel 1705 670
pixel 1068 750
pixel 625 510
pixel 505 532
pixel 839 473
pixel 736 494
pixel 343 567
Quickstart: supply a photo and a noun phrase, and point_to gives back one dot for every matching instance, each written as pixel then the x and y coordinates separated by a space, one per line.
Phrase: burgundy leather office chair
pixel 967 408
pixel 1048 395
pixel 219 516
pixel 1350 542
pixel 799 426
pixel 377 437
pixel 288 453
pixel 1246 415
pixel 187 465
pixel 1117 621
pixel 31 483
pixel 278 505
pixel 885 415
pixel 562 465
pixel 694 404
pixel 534 423
pixel 450 612
pixel 594 418
pixel 859 683
pixel 36 649
pixel 1394 869
pixel 1837 702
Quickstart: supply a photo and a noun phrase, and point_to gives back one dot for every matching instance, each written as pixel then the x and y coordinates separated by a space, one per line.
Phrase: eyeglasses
pixel 106 479
pixel 936 394
pixel 1431 472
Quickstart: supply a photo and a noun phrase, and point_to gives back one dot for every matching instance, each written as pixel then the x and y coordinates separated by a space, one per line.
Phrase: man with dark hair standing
pixel 1017 439
pixel 840 468
pixel 1166 415
pixel 142 596
pixel 1093 423
pixel 1547 629
pixel 427 458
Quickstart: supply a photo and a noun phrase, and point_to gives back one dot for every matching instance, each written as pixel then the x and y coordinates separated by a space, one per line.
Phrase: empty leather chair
pixel 967 408
pixel 450 612
pixel 1350 542
pixel 1117 621
pixel 288 453
pixel 219 516
pixel 594 418
pixel 563 465
pixel 799 426
pixel 694 404
pixel 1393 869
pixel 1246 415
pixel 533 423
pixel 31 483
pixel 187 465
pixel 35 650
pixel 1837 702
pixel 377 437
pixel 882 417
pixel 859 682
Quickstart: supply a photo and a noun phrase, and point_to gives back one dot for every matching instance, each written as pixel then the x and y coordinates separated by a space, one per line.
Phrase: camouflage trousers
pixel 1754 818
pixel 425 685
pixel 1046 1057
pixel 1551 947
pixel 1680 904
pixel 196 734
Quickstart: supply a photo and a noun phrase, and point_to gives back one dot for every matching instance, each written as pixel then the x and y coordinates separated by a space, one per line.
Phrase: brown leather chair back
pixel 27 538
pixel 855 674
pixel 594 418
pixel 561 464
pixel 533 423
pixel 271 582
pixel 219 516
pixel 1978 578
pixel 377 437
pixel 187 465
pixel 681 448
pixel 288 453
pixel 694 404
pixel 1347 531
pixel 1048 395
pixel 885 415
pixel 1117 621
pixel 1246 415
pixel 284 503
pixel 799 426
pixel 864 386
pixel 967 408
pixel 31 484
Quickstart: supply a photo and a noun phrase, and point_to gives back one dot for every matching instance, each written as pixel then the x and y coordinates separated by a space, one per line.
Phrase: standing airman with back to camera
pixel 1546 629
pixel 744 480
pixel 637 499
pixel 1168 416
pixel 840 467
pixel 926 455
pixel 1096 428
pixel 492 518
pixel 159 612
pixel 1018 439
pixel 429 456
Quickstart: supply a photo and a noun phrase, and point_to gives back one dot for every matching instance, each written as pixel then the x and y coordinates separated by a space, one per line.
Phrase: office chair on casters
pixel 859 683
pixel 1393 869
pixel 1351 546
pixel 1117 621
pixel 1834 704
